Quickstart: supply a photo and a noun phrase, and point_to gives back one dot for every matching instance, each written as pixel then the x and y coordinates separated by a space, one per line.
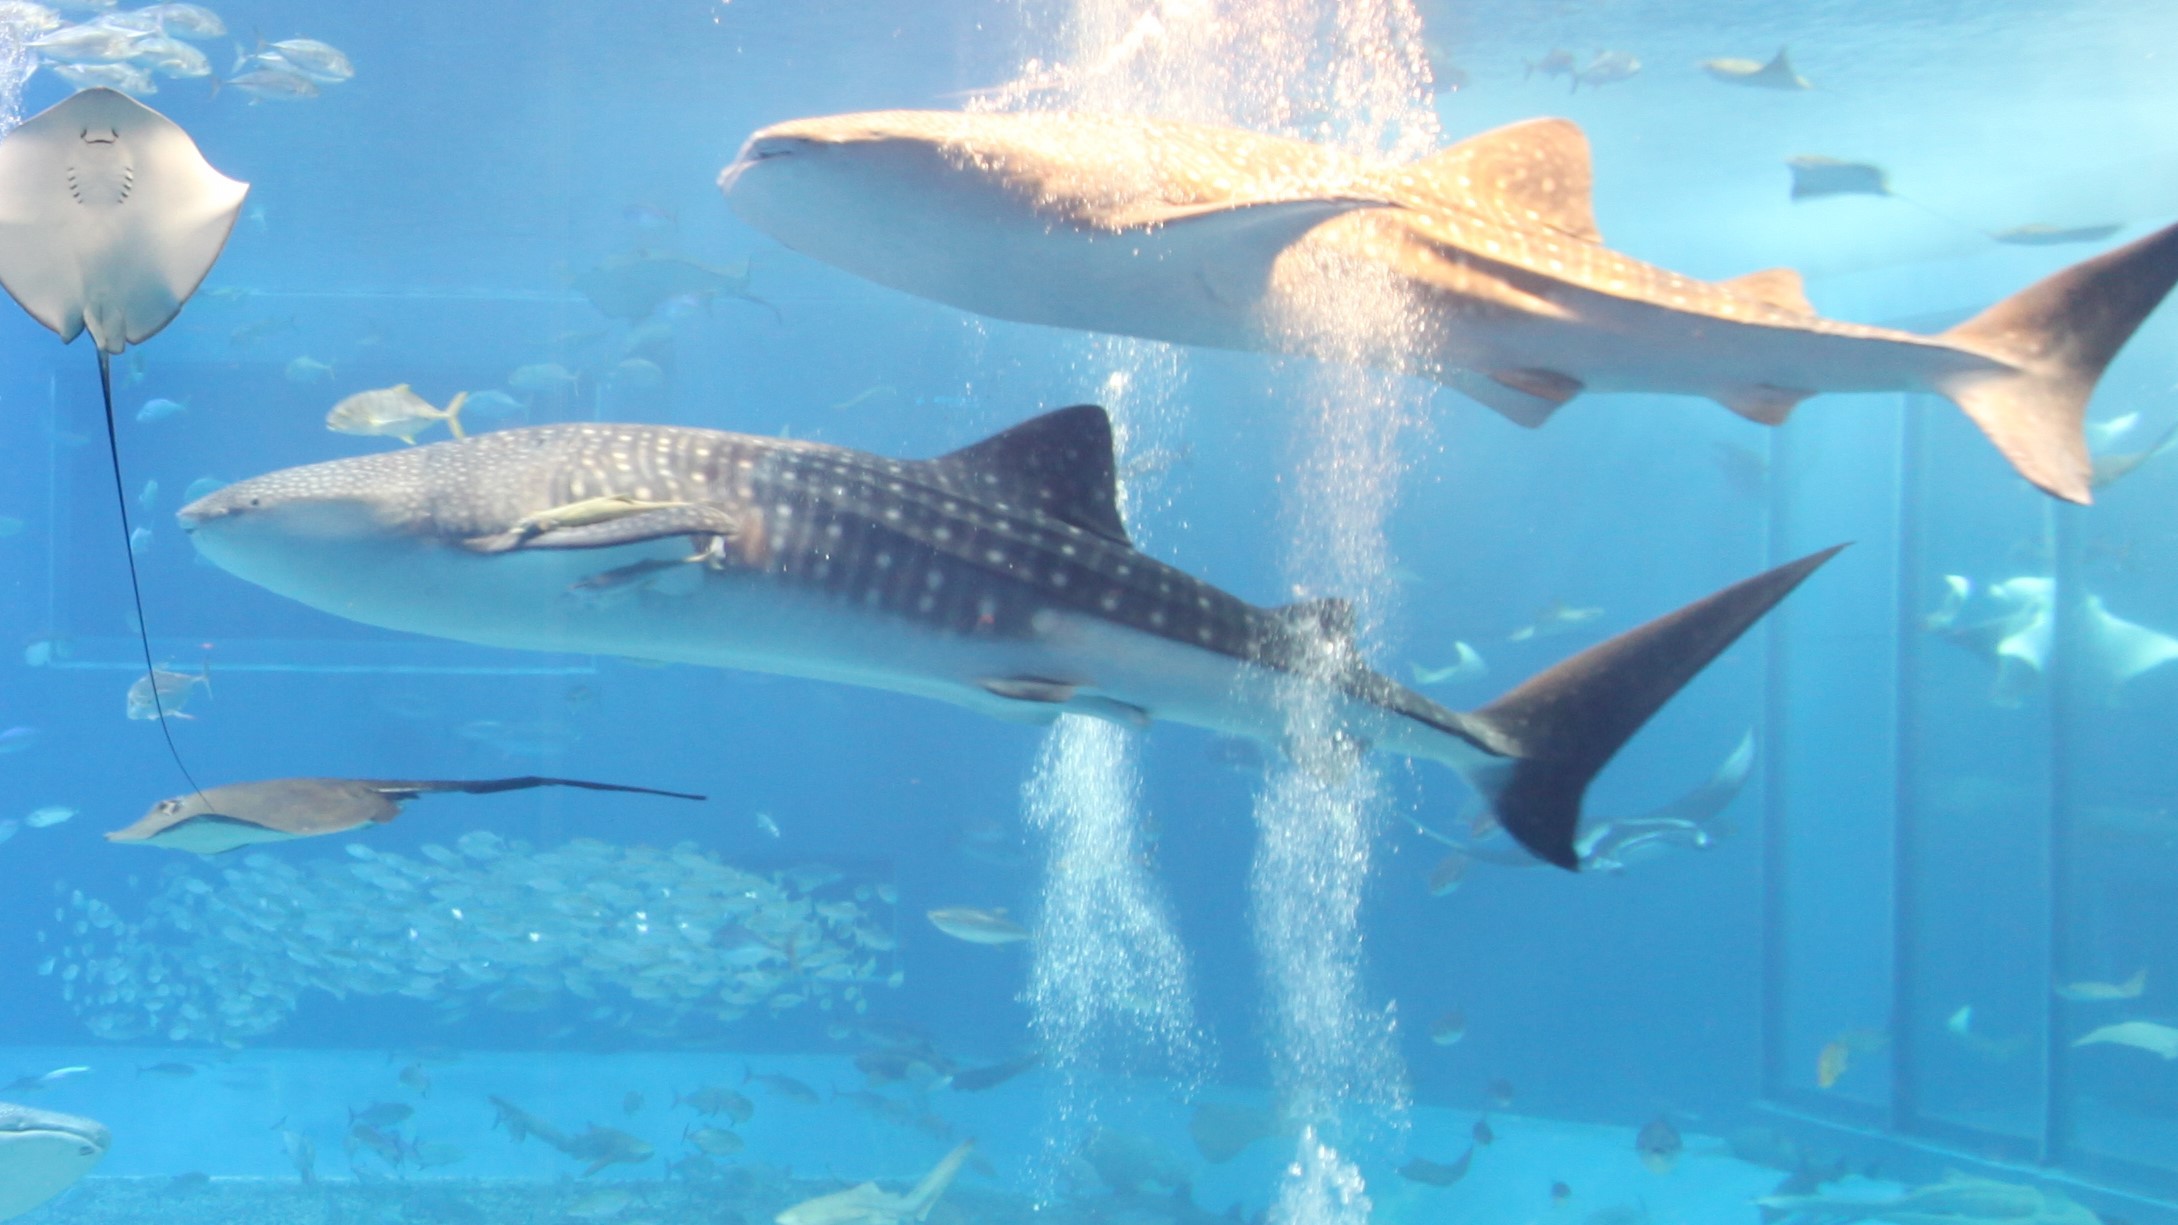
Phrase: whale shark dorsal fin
pixel 1060 464
pixel 1531 173
pixel 1778 287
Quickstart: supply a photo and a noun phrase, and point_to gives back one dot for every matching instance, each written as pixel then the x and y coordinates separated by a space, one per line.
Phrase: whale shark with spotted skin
pixel 43 1153
pixel 1214 236
pixel 998 577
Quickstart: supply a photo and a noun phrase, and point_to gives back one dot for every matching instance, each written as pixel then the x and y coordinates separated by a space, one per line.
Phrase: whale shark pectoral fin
pixel 1233 246
pixel 687 519
pixel 1523 397
pixel 1554 733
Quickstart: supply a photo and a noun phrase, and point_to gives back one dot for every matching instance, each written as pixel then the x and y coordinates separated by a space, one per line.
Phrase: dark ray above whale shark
pixel 1178 232
pixel 997 577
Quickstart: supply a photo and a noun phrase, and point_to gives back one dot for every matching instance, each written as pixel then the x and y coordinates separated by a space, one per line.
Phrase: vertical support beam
pixel 2064 531
pixel 1904 1110
pixel 1775 693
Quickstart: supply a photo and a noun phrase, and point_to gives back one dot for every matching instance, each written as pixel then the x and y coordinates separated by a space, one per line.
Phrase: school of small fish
pixel 132 50
pixel 658 943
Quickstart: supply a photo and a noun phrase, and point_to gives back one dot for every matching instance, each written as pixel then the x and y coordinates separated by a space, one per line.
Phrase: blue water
pixel 1890 862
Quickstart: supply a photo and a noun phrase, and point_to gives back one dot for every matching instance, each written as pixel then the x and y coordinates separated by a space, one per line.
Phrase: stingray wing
pixel 109 217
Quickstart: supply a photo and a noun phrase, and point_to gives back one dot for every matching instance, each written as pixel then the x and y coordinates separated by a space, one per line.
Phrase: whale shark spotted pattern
pixel 1181 232
pixel 997 577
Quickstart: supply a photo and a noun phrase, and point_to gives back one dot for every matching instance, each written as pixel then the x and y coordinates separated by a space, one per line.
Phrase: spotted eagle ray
pixel 220 819
pixel 43 1154
pixel 998 577
pixel 1178 232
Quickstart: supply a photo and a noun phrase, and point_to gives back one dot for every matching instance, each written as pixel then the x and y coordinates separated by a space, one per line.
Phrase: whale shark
pixel 43 1154
pixel 998 577
pixel 1214 236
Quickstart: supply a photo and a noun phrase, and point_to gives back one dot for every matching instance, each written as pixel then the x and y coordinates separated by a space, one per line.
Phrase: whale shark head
pixel 283 528
pixel 1114 223
pixel 43 1154
pixel 890 195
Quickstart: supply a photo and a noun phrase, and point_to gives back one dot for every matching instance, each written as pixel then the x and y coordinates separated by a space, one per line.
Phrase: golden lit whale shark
pixel 998 577
pixel 1182 232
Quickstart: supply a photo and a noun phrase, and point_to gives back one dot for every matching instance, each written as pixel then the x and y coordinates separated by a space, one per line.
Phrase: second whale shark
pixel 1203 235
pixel 998 577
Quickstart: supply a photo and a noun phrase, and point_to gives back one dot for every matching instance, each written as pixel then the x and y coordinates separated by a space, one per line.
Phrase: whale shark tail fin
pixel 1554 733
pixel 2056 336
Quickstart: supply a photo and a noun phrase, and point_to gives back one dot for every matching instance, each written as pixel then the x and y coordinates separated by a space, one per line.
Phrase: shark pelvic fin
pixel 2057 335
pixel 1532 173
pixel 1778 287
pixel 1043 700
pixel 1762 403
pixel 1059 464
pixel 1523 397
pixel 1558 730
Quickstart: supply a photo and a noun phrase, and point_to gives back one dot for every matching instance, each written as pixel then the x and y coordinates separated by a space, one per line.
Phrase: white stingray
pixel 2111 651
pixel 109 219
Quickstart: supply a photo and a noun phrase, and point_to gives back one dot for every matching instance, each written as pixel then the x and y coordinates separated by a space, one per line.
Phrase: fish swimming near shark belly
pixel 1182 233
pixel 43 1154
pixel 998 577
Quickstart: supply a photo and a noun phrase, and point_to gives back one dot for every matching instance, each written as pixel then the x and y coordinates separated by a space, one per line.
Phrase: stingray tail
pixel 136 586
pixel 2056 336
pixel 1554 733
pixel 488 786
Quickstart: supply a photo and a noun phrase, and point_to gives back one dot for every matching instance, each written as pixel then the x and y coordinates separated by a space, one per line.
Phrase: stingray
pixel 2113 466
pixel 280 809
pixel 109 219
pixel 1814 176
pixel 1777 74
pixel 2019 638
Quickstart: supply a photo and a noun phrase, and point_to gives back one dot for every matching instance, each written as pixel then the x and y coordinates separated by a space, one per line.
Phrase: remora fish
pixel 43 1154
pixel 1176 232
pixel 997 577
